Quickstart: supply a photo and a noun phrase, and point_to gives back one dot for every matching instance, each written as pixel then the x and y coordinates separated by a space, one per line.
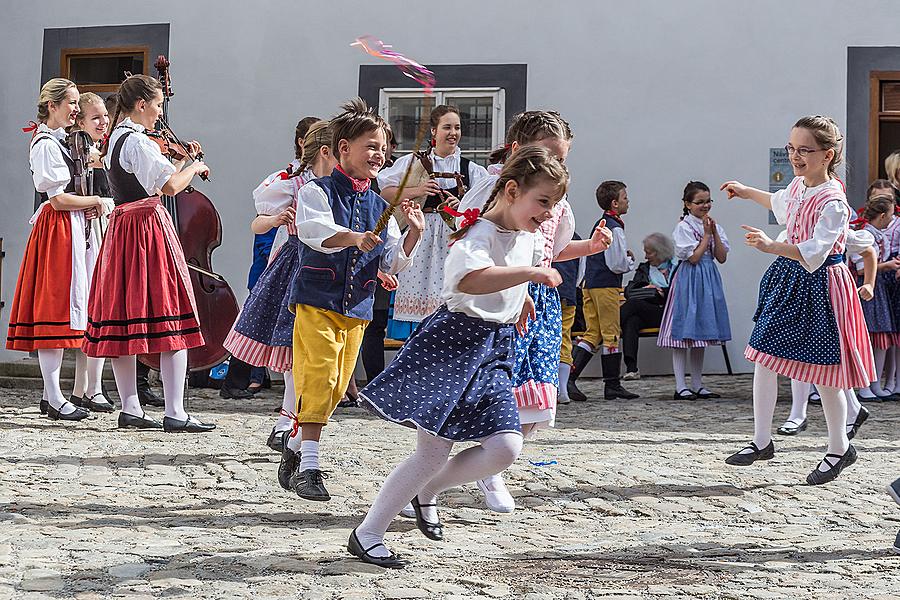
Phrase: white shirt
pixel 616 255
pixel 48 167
pixel 141 156
pixel 859 240
pixel 276 192
pixel 391 176
pixel 831 223
pixel 687 236
pixel 315 224
pixel 487 245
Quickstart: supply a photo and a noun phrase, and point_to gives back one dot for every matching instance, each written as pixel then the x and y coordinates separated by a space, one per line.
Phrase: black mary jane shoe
pixel 792 427
pixel 127 421
pixel 189 425
pixel 309 485
pixel 147 397
pixel 76 415
pixel 836 463
pixel 705 394
pixel 93 405
pixel 433 531
pixel 276 440
pixel 234 394
pixel 387 562
pixel 814 398
pixel 288 465
pixel 894 490
pixel 43 406
pixel 857 423
pixel 684 394
pixel 743 459
pixel 78 401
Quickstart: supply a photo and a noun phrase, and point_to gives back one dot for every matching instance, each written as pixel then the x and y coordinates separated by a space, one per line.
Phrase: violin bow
pixel 419 74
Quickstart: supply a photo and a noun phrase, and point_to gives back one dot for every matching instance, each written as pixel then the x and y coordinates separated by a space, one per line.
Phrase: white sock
pixel 799 401
pixel 586 346
pixel 94 383
pixel 697 368
pixel 875 386
pixel 491 457
pixel 834 405
pixel 401 485
pixel 765 395
pixel 125 371
pixel 172 371
pixel 295 442
pixel 50 360
pixel 80 388
pixel 288 404
pixel 679 366
pixel 564 370
pixel 309 456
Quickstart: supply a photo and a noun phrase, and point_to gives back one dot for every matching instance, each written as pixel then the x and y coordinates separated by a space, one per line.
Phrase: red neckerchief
pixel 359 185
pixel 614 215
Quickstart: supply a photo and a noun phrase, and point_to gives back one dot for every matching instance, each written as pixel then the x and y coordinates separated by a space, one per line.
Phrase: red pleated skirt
pixel 40 318
pixel 141 298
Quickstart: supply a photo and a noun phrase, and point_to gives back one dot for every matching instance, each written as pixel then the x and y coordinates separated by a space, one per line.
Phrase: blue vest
pixel 345 281
pixel 597 274
pixel 569 271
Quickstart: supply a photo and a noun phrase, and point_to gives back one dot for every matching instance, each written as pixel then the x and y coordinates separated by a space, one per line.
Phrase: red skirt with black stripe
pixel 40 316
pixel 141 298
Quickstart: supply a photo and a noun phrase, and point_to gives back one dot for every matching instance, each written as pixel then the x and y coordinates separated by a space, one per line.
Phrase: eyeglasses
pixel 802 151
pixel 703 202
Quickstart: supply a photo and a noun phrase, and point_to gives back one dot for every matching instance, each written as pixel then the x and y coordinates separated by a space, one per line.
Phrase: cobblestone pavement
pixel 639 505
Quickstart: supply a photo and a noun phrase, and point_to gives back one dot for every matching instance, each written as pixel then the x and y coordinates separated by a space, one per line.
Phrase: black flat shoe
pixel 836 463
pixel 288 465
pixel 684 394
pixel 76 415
pixel 815 398
pixel 894 490
pixel 387 562
pixel 616 391
pixel 348 402
pixel 574 393
pixel 276 440
pixel 873 399
pixel 857 423
pixel 235 394
pixel 792 428
pixel 705 394
pixel 43 406
pixel 127 421
pixel 147 397
pixel 95 406
pixel 78 401
pixel 308 485
pixel 433 531
pixel 743 459
pixel 189 425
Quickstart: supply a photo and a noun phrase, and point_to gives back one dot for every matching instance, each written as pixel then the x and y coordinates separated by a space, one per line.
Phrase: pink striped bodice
pixel 803 213
pixel 548 230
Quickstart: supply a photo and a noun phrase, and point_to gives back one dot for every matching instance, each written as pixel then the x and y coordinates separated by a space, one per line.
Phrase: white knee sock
pixel 288 404
pixel 50 361
pixel 799 400
pixel 309 454
pixel 125 371
pixel 679 366
pixel 697 368
pixel 172 371
pixel 875 386
pixel 491 457
pixel 401 485
pixel 564 370
pixel 765 395
pixel 80 387
pixel 834 405
pixel 94 384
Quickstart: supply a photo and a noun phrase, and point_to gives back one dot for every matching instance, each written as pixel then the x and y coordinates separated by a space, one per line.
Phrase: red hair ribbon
pixel 860 221
pixel 470 215
pixel 32 126
pixel 294 419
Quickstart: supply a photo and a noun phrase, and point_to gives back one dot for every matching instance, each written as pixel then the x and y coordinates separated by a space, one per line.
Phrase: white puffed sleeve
pixel 616 255
pixel 49 170
pixel 476 173
pixel 314 219
pixel 722 237
pixel 566 229
pixel 394 258
pixel 685 242
pixel 274 197
pixel 391 176
pixel 779 206
pixel 831 223
pixel 477 195
pixel 142 157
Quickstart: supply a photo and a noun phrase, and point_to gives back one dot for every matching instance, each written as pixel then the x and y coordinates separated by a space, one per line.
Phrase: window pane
pixel 480 157
pixel 888 141
pixel 404 116
pixel 104 69
pixel 477 118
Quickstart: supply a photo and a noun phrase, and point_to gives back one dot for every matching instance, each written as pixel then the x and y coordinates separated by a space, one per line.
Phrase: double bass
pixel 199 229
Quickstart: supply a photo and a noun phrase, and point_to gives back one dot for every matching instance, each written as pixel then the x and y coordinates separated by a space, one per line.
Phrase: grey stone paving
pixel 639 505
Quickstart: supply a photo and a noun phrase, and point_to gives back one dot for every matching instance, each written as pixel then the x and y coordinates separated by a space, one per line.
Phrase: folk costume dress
pixel 536 369
pixel 50 303
pixel 809 322
pixel 453 377
pixel 696 314
pixel 892 243
pixel 420 287
pixel 141 298
pixel 878 311
pixel 263 333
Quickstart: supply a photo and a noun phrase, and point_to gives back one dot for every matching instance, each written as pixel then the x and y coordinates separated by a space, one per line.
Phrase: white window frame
pixel 498 133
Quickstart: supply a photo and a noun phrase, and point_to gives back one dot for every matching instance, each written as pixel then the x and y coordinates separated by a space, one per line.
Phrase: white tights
pixel 679 366
pixel 50 361
pixel 88 375
pixel 172 370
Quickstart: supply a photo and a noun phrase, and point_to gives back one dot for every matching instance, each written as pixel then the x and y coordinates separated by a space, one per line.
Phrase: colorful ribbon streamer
pixel 375 47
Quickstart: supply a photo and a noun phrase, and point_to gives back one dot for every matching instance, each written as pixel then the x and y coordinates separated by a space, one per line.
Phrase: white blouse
pixel 486 245
pixel 141 156
pixel 391 176
pixel 832 222
pixel 859 240
pixel 275 192
pixel 48 167
pixel 315 224
pixel 687 236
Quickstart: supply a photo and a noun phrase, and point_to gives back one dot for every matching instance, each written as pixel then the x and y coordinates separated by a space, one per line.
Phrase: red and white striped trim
pixel 882 340
pixel 277 358
pixel 536 394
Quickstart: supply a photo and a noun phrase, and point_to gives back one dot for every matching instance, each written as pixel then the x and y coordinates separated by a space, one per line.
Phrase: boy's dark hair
pixel 355 120
pixel 607 192
pixel 302 128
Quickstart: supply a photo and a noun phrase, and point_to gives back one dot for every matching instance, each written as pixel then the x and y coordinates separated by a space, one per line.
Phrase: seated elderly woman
pixel 645 297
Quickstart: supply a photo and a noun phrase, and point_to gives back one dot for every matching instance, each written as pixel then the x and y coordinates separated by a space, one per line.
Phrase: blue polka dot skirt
pixel 536 368
pixel 879 310
pixel 452 378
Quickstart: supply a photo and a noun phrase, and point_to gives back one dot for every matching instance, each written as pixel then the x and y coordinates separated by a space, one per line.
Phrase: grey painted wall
pixel 657 93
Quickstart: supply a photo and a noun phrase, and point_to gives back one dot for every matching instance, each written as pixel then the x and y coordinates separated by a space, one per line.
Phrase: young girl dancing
pixel 809 322
pixel 452 380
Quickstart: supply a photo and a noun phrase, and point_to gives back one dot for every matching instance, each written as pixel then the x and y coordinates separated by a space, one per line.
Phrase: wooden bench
pixel 654 331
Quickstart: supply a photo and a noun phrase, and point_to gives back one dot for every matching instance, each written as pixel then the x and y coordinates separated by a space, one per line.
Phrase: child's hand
pixel 757 238
pixel 601 238
pixel 388 281
pixel 367 241
pixel 735 189
pixel 866 292
pixel 284 217
pixel 414 215
pixel 546 275
pixel 527 313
